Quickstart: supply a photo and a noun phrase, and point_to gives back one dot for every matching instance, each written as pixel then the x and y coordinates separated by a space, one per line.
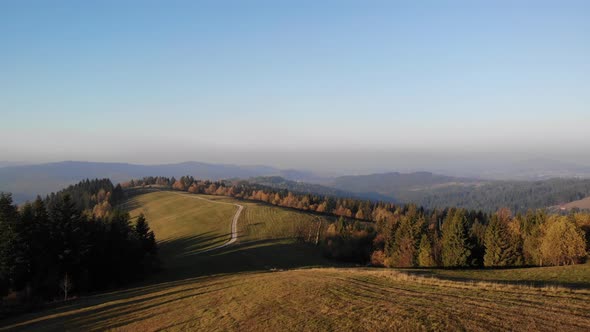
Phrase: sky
pixel 312 84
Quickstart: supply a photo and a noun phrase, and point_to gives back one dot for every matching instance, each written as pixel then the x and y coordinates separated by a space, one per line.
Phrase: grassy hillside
pixel 322 299
pixel 185 225
pixel 271 281
pixel 583 204
pixel 173 216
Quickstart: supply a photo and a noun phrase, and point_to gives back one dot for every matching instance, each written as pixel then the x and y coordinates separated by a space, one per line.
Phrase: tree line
pixel 62 245
pixel 393 235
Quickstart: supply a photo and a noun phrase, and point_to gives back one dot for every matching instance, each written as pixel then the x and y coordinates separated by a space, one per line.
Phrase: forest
pixel 71 242
pixel 518 196
pixel 439 191
pixel 386 234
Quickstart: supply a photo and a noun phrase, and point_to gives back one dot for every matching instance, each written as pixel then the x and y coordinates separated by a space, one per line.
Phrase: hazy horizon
pixel 366 162
pixel 337 86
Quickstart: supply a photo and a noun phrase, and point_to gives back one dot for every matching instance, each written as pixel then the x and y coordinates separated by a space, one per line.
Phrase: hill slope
pixel 439 191
pixel 299 187
pixel 582 204
pixel 391 183
pixel 244 287
pixel 184 226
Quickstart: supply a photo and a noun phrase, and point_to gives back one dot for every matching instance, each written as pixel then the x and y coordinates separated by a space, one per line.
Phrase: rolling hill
pixel 391 183
pixel 582 204
pixel 185 225
pixel 422 188
pixel 440 191
pixel 300 187
pixel 269 280
pixel 27 181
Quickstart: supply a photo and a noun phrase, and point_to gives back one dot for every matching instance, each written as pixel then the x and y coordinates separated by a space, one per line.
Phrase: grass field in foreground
pixel 323 299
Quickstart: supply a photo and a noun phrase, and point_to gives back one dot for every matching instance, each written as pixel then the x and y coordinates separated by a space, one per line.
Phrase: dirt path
pixel 234 224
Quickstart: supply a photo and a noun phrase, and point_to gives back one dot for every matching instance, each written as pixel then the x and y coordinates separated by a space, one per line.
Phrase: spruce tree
pixel 455 240
pixel 145 236
pixel 425 258
pixel 67 235
pixel 501 247
pixel 404 245
pixel 8 243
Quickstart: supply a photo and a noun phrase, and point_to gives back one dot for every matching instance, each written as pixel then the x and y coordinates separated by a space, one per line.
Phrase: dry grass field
pixel 583 204
pixel 322 299
pixel 270 282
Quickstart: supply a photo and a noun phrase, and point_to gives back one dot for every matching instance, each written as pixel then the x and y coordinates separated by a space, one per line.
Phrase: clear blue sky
pixel 163 81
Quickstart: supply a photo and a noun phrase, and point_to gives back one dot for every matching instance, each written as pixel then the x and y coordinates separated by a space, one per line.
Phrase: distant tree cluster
pixel 518 196
pixel 408 235
pixel 51 248
pixel 96 197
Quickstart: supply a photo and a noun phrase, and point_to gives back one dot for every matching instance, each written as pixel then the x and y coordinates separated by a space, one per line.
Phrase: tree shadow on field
pixel 172 251
pixel 115 309
pixel 129 205
pixel 183 264
pixel 183 257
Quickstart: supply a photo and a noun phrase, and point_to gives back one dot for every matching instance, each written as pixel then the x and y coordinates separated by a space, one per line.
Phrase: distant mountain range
pixel 423 188
pixel 440 191
pixel 528 170
pixel 25 182
pixel 299 187
pixel 393 184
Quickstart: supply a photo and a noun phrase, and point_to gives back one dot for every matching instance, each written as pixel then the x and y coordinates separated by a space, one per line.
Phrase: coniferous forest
pixel 72 242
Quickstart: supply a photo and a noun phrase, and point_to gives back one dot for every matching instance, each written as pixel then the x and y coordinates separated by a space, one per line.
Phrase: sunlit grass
pixel 172 216
pixel 324 299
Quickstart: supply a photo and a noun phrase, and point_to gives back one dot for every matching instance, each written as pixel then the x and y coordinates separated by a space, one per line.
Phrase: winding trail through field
pixel 234 223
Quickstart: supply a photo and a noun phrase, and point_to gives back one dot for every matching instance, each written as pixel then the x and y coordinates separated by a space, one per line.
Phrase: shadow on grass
pixel 470 275
pixel 183 264
pixel 171 250
pixel 129 205
pixel 183 257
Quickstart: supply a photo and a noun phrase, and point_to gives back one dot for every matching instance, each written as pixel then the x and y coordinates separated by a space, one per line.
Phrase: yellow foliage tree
pixel 563 243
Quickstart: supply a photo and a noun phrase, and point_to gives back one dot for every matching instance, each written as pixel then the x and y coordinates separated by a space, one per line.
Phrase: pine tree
pixel 404 245
pixel 8 242
pixel 145 235
pixel 67 235
pixel 425 258
pixel 41 248
pixel 455 242
pixel 502 248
